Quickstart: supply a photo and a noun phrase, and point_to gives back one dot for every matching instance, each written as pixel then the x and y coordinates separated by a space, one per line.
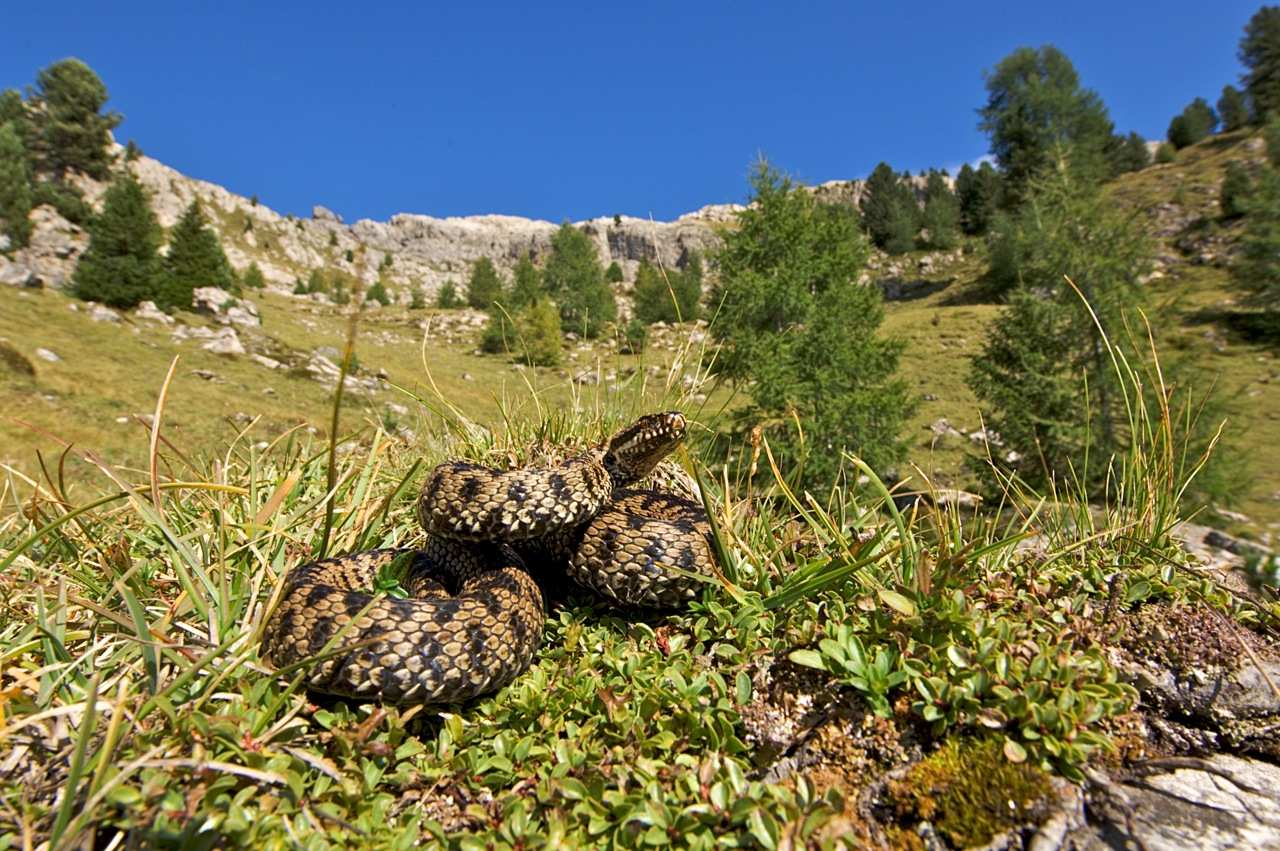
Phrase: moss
pixel 971 792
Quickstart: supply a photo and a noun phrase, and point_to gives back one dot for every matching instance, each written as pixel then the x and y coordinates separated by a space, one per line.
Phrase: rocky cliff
pixel 424 251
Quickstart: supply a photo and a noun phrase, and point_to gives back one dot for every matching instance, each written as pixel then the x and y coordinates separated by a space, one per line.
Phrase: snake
pixel 473 618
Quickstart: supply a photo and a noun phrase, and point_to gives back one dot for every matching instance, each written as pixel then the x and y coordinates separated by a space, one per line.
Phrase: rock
pixel 225 342
pixel 324 214
pixel 224 307
pixel 942 428
pixel 46 354
pixel 52 250
pixel 196 332
pixel 263 360
pixel 586 377
pixel 100 313
pixel 986 435
pixel 16 275
pixel 1177 804
pixel 207 375
pixel 148 310
pixel 466 376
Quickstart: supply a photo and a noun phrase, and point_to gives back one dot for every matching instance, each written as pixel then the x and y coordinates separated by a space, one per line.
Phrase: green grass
pixel 137 703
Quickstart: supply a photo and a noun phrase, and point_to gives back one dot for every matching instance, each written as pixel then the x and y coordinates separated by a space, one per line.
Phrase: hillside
pixel 112 370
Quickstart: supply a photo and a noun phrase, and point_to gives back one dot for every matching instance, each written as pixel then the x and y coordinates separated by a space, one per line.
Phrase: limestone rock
pixel 16 275
pixel 225 342
pixel 224 307
pixel 48 355
pixel 102 313
pixel 324 214
pixel 148 310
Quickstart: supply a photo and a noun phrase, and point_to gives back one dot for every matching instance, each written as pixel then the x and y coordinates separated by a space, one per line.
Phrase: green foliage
pixel 1045 354
pixel 614 273
pixel 121 266
pixel 526 287
pixel 340 293
pixel 316 282
pixel 195 259
pixel 889 210
pixel 418 299
pixel 1257 268
pixel 799 334
pixel 74 134
pixel 634 337
pixel 1233 110
pixel 499 336
pixel 1129 154
pixel 1035 108
pixel 333 239
pixel 484 287
pixel 1166 153
pixel 574 279
pixel 1195 123
pixel 1260 55
pixel 1271 136
pixel 253 278
pixel 447 297
pixel 300 288
pixel 978 192
pixel 539 327
pixel 1236 187
pixel 15 187
pixel 350 256
pixel 941 219
pixel 64 198
pixel 670 296
pixel 378 292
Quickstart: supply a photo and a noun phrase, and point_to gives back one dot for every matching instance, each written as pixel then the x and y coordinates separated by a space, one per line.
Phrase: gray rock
pixel 148 310
pixel 225 342
pixel 46 354
pixel 101 313
pixel 263 360
pixel 224 307
pixel 16 275
pixel 324 214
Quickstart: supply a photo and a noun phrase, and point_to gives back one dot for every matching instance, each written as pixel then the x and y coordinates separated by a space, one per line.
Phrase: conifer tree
pixel 1234 197
pixel 526 287
pixel 1036 106
pixel 574 279
pixel 688 288
pixel 1130 153
pixel 316 282
pixel 484 287
pixel 378 292
pixel 15 187
pixel 1194 123
pixel 447 297
pixel 253 278
pixel 978 191
pixel 889 210
pixel 941 218
pixel 1232 109
pixel 74 134
pixel 1257 269
pixel 614 273
pixel 652 299
pixel 1260 55
pixel 195 259
pixel 798 333
pixel 121 266
pixel 539 325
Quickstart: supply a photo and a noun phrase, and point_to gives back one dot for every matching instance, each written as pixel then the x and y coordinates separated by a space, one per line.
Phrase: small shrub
pixel 1166 153
pixel 299 288
pixel 333 239
pixel 253 278
pixel 447 298
pixel 66 200
pixel 540 334
pixel 417 301
pixel 614 273
pixel 378 293
pixel 350 255
pixel 634 337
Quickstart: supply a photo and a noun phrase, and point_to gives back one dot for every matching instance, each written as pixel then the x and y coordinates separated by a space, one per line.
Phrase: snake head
pixel 632 453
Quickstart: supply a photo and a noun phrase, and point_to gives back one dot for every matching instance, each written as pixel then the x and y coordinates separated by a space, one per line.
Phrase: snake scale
pixel 474 617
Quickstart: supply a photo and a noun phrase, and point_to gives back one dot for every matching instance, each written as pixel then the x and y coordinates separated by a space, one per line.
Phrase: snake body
pixel 474 619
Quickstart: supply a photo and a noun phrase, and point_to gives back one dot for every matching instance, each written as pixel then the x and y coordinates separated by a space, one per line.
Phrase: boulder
pixel 101 313
pixel 225 342
pixel 324 214
pixel 224 307
pixel 148 310
pixel 48 355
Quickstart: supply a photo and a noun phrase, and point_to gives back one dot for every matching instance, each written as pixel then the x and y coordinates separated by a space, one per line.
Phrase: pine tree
pixel 253 278
pixel 1257 269
pixel 447 297
pixel 15 187
pixel 316 282
pixel 539 326
pixel 978 191
pixel 484 286
pixel 121 266
pixel 941 217
pixel 652 299
pixel 614 273
pixel 1029 377
pixel 1035 107
pixel 1236 189
pixel 798 333
pixel 1232 109
pixel 299 288
pixel 1193 124
pixel 1130 154
pixel 688 288
pixel 1260 55
pixel 195 259
pixel 378 292
pixel 74 133
pixel 526 287
pixel 889 210
pixel 418 300
pixel 574 279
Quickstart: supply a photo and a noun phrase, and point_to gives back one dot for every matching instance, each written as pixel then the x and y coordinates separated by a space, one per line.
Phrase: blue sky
pixel 567 111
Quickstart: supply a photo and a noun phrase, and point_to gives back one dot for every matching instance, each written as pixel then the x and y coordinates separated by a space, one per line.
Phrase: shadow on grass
pixel 1245 326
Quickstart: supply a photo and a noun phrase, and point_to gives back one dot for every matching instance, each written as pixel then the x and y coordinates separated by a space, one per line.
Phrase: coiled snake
pixel 474 619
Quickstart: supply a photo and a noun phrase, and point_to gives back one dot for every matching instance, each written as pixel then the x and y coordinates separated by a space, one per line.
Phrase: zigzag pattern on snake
pixel 474 619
